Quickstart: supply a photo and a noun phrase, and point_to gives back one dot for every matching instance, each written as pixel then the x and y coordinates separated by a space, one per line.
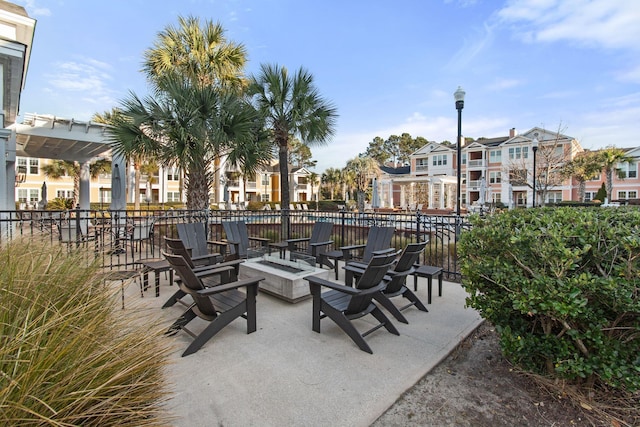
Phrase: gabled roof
pixel 403 170
pixel 432 147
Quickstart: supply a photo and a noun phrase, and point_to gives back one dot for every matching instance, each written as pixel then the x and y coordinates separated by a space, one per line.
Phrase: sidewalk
pixel 284 374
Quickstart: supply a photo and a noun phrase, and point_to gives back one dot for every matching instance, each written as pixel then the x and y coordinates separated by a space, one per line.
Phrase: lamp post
pixel 534 148
pixel 458 95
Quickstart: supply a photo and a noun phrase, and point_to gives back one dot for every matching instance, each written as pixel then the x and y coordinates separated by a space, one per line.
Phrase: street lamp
pixel 534 148
pixel 458 95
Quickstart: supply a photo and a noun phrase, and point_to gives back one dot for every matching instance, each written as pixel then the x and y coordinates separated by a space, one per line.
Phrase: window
pixel 265 179
pixel 440 160
pixel 495 177
pixel 628 170
pixel 464 158
pixel 496 197
pixel 595 178
pixel 422 164
pixel 495 156
pixel 463 178
pixel 173 196
pixel 516 153
pixel 627 195
pixel 173 174
pixel 589 195
pixel 64 194
pixel 554 197
pixel 22 194
pixel 34 166
pixel 264 197
pixel 21 165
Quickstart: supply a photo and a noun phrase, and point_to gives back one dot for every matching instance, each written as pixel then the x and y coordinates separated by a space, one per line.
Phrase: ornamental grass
pixel 68 354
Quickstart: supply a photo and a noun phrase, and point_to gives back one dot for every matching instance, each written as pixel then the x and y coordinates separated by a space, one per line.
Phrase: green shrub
pixel 68 354
pixel 561 286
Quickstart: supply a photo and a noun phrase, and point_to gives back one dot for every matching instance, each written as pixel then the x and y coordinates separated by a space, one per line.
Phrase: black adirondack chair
pixel 342 304
pixel 378 242
pixel 316 244
pixel 220 305
pixel 194 237
pixel 395 281
pixel 200 266
pixel 239 239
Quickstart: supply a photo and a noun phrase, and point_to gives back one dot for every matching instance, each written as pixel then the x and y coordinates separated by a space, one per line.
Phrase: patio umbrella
pixel 483 189
pixel 375 197
pixel 43 199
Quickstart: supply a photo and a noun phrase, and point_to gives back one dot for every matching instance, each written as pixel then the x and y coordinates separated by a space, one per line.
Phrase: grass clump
pixel 68 355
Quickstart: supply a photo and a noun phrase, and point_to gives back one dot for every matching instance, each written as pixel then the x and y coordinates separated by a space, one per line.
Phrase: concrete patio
pixel 286 374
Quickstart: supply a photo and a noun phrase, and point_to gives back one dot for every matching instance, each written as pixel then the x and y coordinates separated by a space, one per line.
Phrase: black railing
pixel 121 239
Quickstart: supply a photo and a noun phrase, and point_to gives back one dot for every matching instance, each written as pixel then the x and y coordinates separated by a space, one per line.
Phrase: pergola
pixel 50 137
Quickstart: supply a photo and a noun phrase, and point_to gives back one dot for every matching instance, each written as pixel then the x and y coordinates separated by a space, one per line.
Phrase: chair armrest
pixel 251 281
pixel 317 244
pixel 313 280
pixel 384 251
pixel 355 265
pixel 263 240
pixel 214 269
pixel 351 248
pixel 206 257
pixel 301 239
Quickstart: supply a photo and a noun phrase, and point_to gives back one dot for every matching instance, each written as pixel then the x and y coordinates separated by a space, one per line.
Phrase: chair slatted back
pixel 236 231
pixel 370 282
pixel 321 233
pixel 379 238
pixel 405 266
pixel 177 247
pixel 191 284
pixel 194 236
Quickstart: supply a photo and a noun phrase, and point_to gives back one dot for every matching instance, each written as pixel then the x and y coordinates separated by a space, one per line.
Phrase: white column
pixel 84 198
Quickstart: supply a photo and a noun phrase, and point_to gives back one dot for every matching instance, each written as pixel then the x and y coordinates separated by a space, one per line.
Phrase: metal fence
pixel 121 239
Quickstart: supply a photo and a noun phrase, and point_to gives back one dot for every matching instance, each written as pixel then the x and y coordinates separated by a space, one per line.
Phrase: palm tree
pixel 313 180
pixel 583 167
pixel 363 169
pixel 58 169
pixel 203 56
pixel 331 178
pixel 610 157
pixel 292 107
pixel 185 125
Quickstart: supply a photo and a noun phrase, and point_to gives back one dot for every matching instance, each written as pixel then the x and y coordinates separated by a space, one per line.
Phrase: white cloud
pixel 601 23
pixel 631 75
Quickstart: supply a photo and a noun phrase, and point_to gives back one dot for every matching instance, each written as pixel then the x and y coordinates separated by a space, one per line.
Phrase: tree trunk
pixel 283 158
pixel 197 189
pixel 136 186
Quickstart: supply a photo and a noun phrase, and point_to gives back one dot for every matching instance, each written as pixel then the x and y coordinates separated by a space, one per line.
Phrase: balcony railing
pixel 476 163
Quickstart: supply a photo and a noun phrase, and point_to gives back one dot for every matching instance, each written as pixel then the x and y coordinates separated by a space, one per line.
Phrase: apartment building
pixel 500 171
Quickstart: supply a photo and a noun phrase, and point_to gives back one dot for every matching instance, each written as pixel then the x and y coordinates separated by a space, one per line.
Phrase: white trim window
pixel 440 160
pixel 495 177
pixel 628 170
pixel 173 196
pixel 495 156
pixel 516 153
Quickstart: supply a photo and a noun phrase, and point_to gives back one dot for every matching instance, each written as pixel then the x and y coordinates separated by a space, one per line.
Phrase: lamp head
pixel 534 144
pixel 458 95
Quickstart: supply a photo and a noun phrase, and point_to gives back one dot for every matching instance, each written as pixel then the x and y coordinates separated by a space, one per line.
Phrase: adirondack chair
pixel 219 305
pixel 238 237
pixel 319 240
pixel 200 266
pixel 395 281
pixel 378 239
pixel 194 236
pixel 342 304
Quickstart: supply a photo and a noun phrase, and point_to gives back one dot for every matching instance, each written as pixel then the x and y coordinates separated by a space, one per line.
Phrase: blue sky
pixel 388 67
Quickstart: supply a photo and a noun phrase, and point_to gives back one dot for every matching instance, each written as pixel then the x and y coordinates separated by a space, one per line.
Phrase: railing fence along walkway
pixel 122 239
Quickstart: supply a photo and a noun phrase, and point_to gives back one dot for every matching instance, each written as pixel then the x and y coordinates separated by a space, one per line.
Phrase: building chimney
pixel 512 132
